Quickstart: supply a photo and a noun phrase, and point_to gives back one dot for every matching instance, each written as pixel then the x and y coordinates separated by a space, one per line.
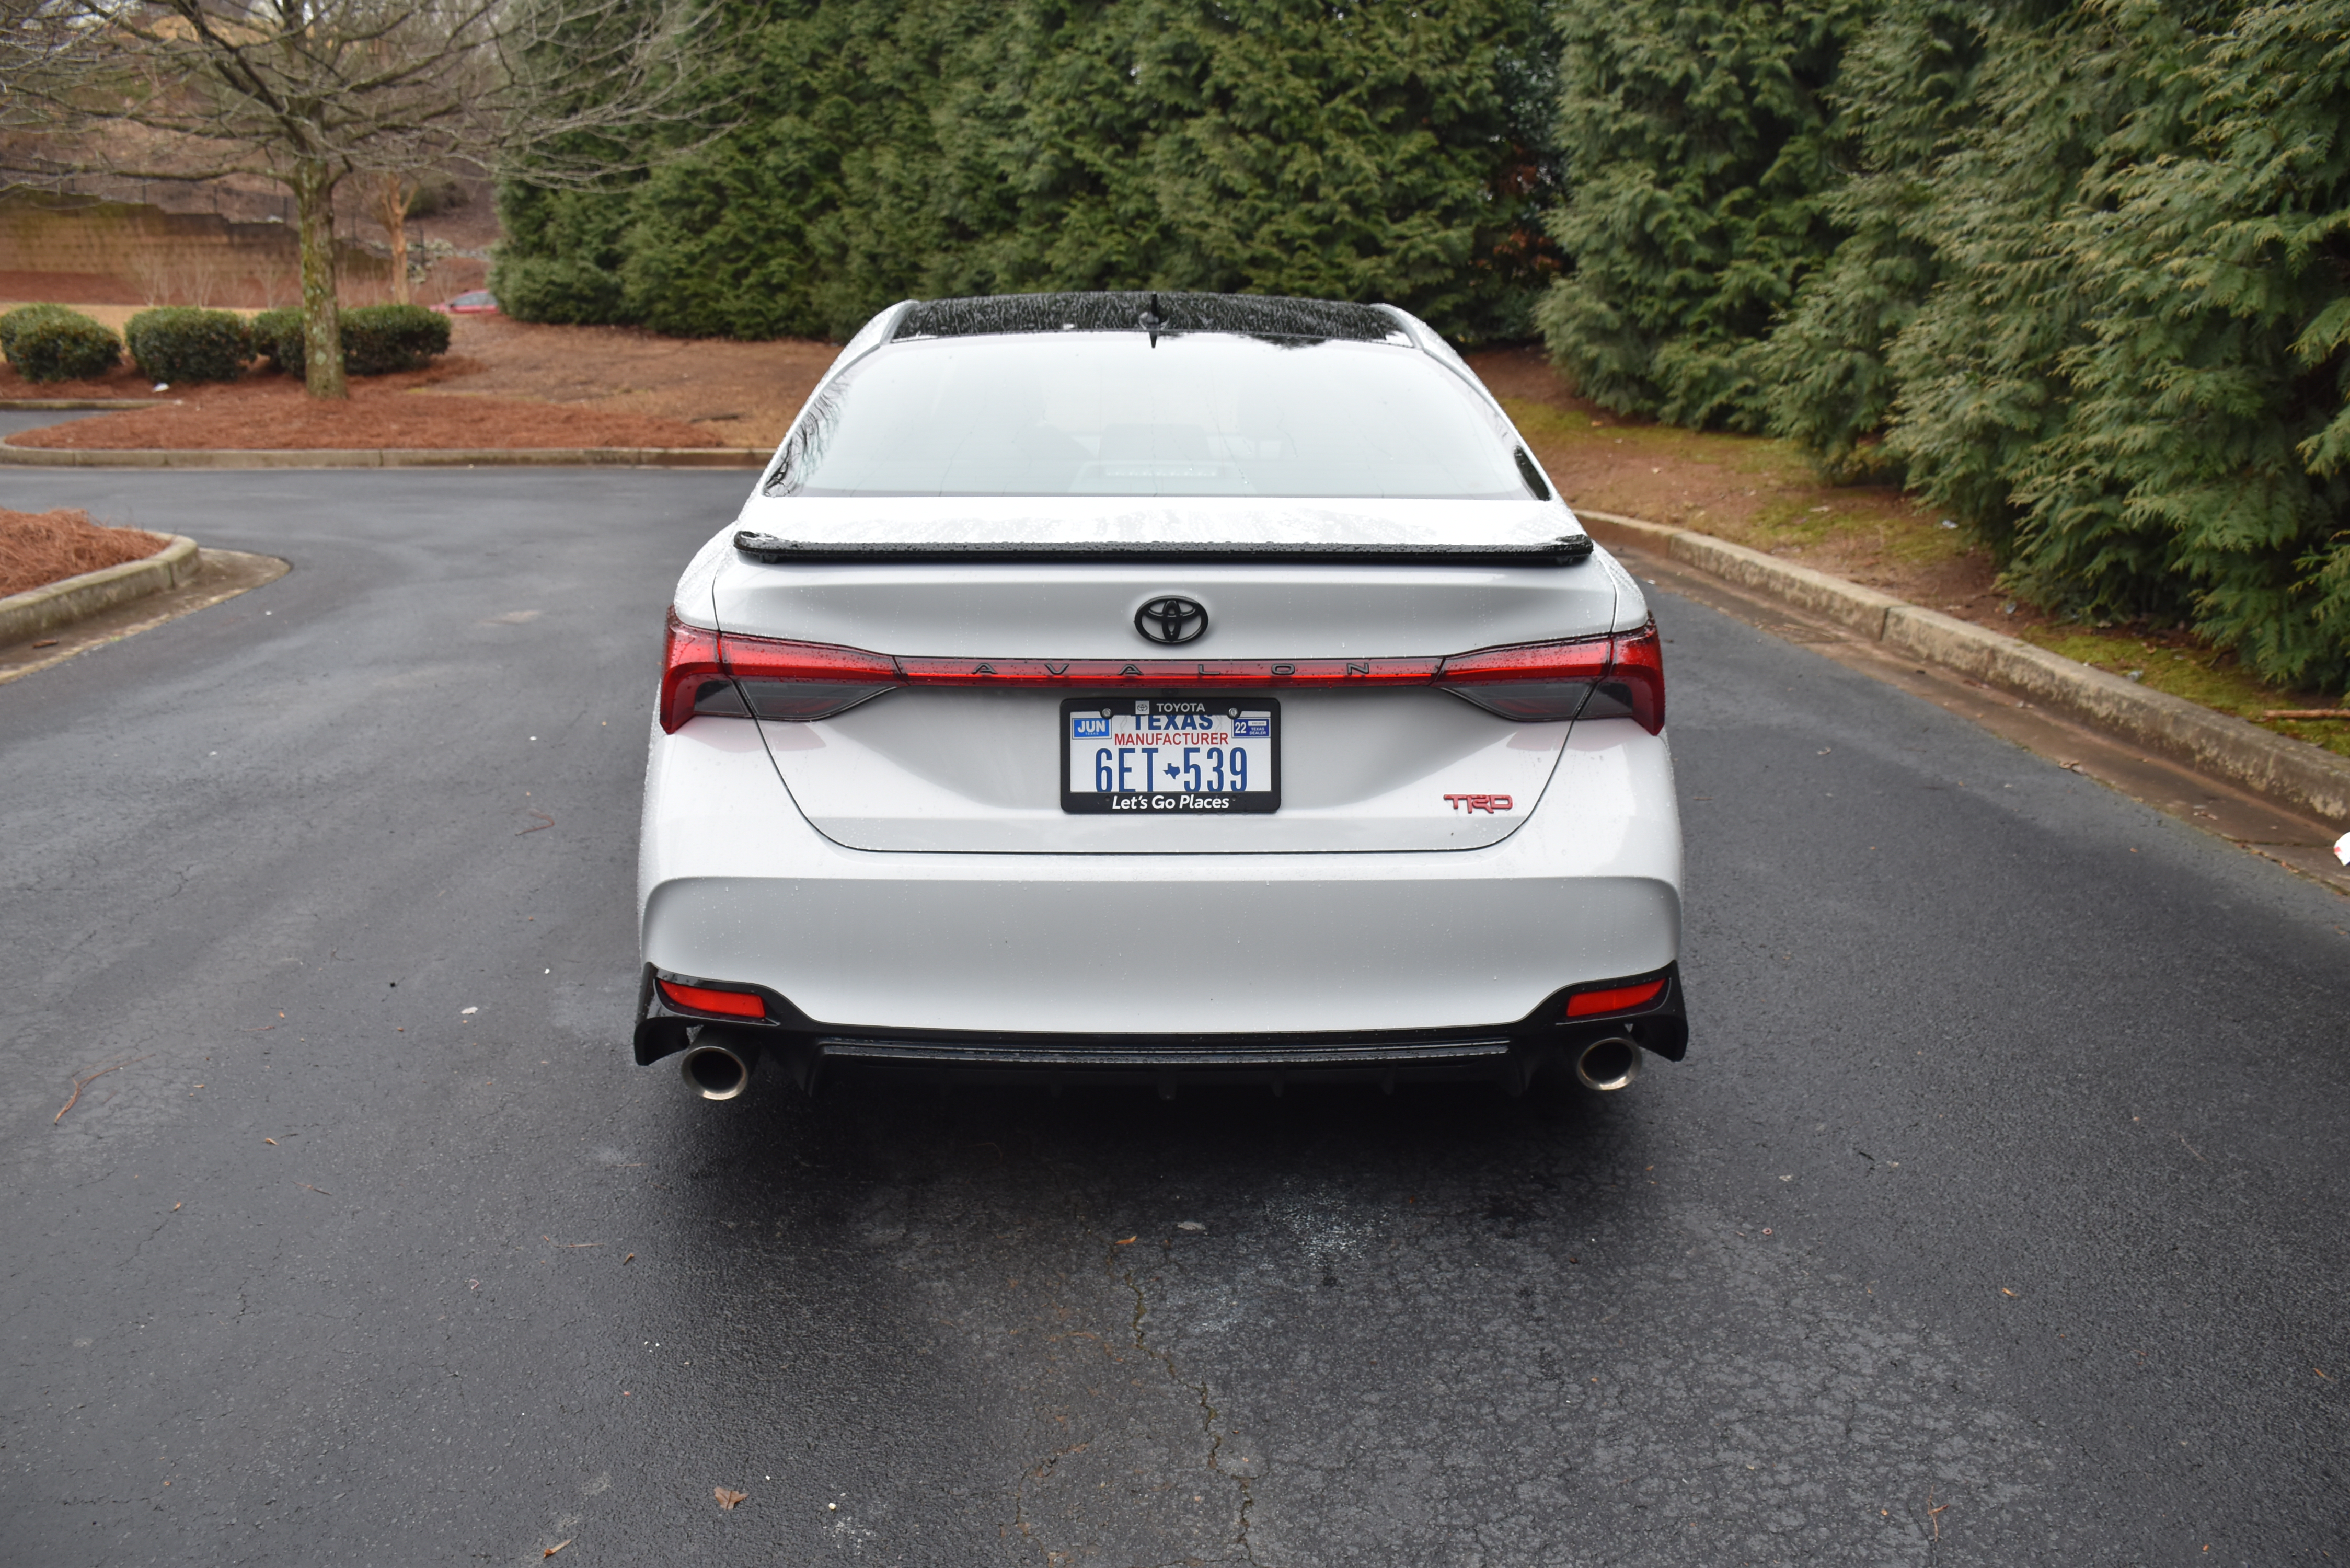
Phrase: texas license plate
pixel 1171 754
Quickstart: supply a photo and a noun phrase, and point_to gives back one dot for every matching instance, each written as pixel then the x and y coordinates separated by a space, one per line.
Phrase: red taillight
pixel 725 674
pixel 704 999
pixel 1533 681
pixel 802 680
pixel 1634 686
pixel 738 676
pixel 1193 673
pixel 690 669
pixel 1619 677
pixel 1615 999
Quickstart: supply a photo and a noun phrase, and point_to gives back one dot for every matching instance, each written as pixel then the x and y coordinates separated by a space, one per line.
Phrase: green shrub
pixel 50 343
pixel 23 316
pixel 177 343
pixel 277 337
pixel 377 339
pixel 381 338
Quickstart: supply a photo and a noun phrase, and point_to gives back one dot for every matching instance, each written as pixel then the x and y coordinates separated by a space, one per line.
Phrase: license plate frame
pixel 1160 803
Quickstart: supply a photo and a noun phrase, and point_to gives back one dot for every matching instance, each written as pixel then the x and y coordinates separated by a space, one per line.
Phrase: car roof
pixel 1164 312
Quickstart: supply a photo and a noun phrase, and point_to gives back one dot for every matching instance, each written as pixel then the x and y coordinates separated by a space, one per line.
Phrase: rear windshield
pixel 1107 413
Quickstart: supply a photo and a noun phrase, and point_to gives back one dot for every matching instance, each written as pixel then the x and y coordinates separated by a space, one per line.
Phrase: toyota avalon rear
pixel 1171 688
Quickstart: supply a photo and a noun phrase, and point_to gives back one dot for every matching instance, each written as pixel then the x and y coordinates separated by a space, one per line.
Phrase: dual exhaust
pixel 722 1072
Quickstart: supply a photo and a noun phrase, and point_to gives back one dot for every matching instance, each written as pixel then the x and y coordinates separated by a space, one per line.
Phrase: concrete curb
pixel 2308 778
pixel 28 615
pixel 413 457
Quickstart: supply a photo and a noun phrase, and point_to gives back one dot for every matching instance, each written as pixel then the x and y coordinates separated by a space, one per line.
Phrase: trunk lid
pixel 976 769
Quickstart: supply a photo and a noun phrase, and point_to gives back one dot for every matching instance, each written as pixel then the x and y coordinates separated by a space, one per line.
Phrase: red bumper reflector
pixel 703 999
pixel 1615 999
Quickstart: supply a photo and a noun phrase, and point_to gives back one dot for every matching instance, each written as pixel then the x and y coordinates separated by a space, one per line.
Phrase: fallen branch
pixel 81 1083
pixel 2306 714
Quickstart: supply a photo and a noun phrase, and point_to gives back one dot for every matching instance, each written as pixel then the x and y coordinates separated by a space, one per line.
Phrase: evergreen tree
pixel 2202 460
pixel 1369 151
pixel 1908 88
pixel 1701 156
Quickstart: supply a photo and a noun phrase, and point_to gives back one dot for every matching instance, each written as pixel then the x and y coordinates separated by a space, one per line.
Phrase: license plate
pixel 1203 756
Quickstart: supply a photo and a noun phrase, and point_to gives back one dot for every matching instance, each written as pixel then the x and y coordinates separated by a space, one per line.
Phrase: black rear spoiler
pixel 1564 551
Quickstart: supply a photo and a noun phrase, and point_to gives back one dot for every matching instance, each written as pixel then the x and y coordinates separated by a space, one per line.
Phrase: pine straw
pixel 38 548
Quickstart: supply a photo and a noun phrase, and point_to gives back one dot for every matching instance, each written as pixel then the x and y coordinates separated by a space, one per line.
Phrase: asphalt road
pixel 13 420
pixel 1995 1217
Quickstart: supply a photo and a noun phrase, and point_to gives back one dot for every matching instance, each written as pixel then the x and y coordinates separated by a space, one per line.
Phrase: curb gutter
pixel 2308 778
pixel 393 457
pixel 37 610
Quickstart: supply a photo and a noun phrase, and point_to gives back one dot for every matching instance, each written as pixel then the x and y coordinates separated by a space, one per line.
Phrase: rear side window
pixel 1110 413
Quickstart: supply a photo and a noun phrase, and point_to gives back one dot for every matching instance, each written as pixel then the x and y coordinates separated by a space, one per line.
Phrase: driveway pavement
pixel 14 420
pixel 1994 1219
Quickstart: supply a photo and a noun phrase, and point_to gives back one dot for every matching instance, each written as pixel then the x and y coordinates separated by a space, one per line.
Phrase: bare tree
pixel 390 194
pixel 311 93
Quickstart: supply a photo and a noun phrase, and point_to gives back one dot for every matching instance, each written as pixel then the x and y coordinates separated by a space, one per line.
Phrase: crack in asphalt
pixel 1042 1472
pixel 1208 1415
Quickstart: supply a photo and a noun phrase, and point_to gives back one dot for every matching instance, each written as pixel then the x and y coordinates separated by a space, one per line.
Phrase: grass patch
pixel 2170 663
pixel 1767 495
pixel 1749 490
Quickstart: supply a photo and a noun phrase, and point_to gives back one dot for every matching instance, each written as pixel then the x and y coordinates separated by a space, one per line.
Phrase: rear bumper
pixel 1448 948
pixel 1541 1044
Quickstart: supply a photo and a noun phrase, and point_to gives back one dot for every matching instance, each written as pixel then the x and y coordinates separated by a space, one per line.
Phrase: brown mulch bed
pixel 740 394
pixel 270 412
pixel 38 548
pixel 503 384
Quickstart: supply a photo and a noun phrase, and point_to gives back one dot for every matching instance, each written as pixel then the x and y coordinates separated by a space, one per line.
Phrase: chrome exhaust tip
pixel 1607 1065
pixel 716 1071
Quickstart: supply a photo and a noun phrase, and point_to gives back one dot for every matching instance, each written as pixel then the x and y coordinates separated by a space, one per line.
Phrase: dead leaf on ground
pixel 556 1547
pixel 727 1500
pixel 1128 1242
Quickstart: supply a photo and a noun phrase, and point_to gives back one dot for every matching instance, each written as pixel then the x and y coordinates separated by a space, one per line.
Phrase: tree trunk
pixel 322 326
pixel 395 224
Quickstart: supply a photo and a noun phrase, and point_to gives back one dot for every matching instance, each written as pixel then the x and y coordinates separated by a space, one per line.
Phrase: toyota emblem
pixel 1171 620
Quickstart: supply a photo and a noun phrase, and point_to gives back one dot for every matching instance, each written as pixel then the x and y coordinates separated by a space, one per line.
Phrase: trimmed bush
pixel 277 337
pixel 379 339
pixel 23 316
pixel 50 343
pixel 177 343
